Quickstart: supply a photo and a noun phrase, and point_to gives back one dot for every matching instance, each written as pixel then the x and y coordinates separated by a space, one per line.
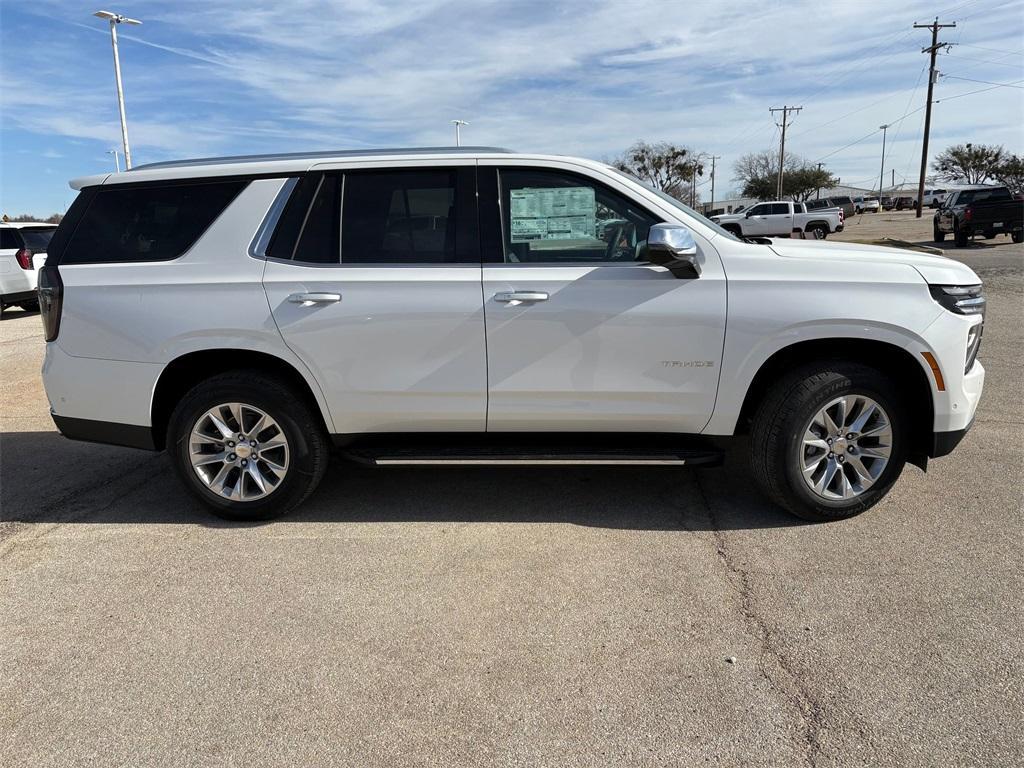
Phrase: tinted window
pixel 760 210
pixel 9 238
pixel 37 240
pixel 780 209
pixel 399 217
pixel 151 223
pixel 978 195
pixel 318 239
pixel 286 234
pixel 557 217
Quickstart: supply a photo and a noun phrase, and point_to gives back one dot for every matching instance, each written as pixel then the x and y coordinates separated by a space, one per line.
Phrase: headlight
pixel 962 299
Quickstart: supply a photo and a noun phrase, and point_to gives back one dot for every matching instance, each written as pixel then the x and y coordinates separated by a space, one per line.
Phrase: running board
pixel 539 459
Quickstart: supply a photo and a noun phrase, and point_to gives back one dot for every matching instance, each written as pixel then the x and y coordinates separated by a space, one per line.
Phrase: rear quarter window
pixel 147 223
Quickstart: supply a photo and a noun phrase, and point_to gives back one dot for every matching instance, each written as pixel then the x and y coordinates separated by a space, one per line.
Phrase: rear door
pixel 373 278
pixel 583 334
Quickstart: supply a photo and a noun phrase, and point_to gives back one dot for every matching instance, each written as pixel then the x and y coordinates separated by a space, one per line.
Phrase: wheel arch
pixel 188 370
pixel 884 356
pixel 817 223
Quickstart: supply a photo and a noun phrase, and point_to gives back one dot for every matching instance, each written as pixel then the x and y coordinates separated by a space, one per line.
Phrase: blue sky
pixel 587 78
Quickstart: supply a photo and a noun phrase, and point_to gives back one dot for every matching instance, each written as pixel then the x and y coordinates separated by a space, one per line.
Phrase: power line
pixel 986 82
pixel 971 93
pixel 993 50
pixel 982 61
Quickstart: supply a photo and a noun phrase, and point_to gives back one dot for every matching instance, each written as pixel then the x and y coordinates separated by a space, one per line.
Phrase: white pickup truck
pixel 782 217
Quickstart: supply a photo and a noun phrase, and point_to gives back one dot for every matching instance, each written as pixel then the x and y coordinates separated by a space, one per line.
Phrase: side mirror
pixel 673 247
pixel 749 212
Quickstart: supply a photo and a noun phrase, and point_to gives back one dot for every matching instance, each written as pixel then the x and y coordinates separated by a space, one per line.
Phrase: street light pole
pixel 117 163
pixel 881 173
pixel 458 124
pixel 115 19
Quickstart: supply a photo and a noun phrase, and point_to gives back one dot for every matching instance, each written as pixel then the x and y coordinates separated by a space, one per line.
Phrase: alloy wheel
pixel 239 452
pixel 845 447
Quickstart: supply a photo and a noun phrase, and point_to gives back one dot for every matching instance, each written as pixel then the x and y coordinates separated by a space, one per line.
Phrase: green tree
pixel 663 165
pixel 759 174
pixel 1011 173
pixel 968 163
pixel 803 182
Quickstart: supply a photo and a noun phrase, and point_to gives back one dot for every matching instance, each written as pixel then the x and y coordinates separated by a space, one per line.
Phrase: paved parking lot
pixel 503 617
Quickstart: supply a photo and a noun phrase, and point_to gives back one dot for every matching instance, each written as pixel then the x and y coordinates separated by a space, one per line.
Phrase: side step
pixel 499 458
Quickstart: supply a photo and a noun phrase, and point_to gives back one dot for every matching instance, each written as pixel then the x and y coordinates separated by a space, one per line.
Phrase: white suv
pixel 22 252
pixel 476 306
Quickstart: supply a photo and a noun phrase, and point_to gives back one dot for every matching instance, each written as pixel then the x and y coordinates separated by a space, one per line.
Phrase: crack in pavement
pixel 773 665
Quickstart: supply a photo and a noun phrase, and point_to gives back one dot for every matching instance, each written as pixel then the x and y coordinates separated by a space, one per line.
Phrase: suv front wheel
pixel 828 441
pixel 247 445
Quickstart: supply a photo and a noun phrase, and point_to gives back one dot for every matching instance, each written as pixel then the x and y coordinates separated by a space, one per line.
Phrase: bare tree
pixel 665 166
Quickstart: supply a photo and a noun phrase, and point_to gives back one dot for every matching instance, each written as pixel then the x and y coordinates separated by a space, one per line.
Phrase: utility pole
pixel 711 206
pixel 458 124
pixel 817 195
pixel 782 149
pixel 931 49
pixel 881 173
pixel 115 19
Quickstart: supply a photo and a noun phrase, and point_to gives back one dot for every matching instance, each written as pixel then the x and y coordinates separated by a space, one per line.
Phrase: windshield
pixel 37 240
pixel 678 204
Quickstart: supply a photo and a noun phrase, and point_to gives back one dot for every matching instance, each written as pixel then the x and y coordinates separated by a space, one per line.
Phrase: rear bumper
pixel 108 432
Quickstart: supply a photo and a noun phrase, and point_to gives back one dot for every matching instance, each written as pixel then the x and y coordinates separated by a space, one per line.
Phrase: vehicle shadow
pixel 104 484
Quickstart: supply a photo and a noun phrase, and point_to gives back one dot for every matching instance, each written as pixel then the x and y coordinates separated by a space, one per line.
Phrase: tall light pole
pixel 881 173
pixel 115 19
pixel 458 124
pixel 117 163
pixel 711 206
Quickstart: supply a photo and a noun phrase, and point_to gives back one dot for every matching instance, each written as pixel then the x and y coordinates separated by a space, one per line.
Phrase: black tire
pixel 818 231
pixel 308 443
pixel 960 236
pixel 937 236
pixel 1017 236
pixel 734 229
pixel 777 436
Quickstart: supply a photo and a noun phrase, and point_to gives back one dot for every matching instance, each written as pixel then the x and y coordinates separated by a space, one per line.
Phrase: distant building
pixel 727 206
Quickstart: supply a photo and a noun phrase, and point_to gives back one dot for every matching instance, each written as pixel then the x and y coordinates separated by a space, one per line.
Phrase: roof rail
pixel 319 156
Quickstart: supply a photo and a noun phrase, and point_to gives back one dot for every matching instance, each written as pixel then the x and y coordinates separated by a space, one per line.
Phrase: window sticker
pixel 552 213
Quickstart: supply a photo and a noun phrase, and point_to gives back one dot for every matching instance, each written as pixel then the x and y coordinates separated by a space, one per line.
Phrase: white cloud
pixel 576 77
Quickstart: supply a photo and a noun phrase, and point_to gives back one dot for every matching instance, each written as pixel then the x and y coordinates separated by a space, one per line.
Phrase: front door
pixel 582 333
pixel 373 278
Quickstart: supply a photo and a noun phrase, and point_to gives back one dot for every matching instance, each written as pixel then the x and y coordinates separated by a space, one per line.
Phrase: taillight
pixel 24 258
pixel 968 213
pixel 51 300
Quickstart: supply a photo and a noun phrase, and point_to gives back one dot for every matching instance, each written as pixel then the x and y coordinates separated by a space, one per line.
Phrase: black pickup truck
pixel 988 211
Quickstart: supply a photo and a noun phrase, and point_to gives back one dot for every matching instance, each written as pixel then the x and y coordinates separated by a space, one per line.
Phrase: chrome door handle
pixel 309 299
pixel 520 296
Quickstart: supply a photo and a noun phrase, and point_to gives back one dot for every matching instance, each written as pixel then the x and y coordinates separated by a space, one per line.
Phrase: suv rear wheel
pixel 247 446
pixel 828 441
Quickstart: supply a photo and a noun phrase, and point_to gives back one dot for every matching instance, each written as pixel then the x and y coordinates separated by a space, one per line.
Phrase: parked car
pixel 866 204
pixel 244 315
pixel 888 203
pixel 22 253
pixel 903 202
pixel 988 211
pixel 845 202
pixel 782 218
pixel 933 197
